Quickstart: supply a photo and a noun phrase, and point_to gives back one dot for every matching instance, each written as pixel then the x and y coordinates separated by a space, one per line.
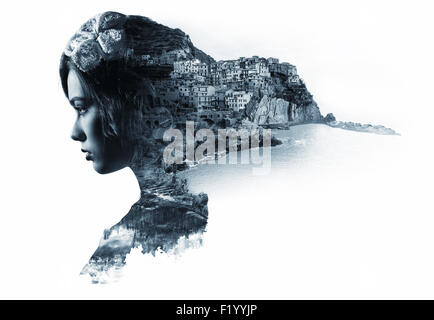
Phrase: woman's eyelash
pixel 81 109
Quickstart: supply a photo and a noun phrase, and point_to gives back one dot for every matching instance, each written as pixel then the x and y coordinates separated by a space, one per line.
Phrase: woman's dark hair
pixel 125 98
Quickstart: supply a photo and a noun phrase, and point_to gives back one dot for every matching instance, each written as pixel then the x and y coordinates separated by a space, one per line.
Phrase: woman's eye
pixel 81 110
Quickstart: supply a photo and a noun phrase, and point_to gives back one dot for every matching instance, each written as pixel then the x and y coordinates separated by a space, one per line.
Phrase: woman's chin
pixel 103 168
pixel 100 168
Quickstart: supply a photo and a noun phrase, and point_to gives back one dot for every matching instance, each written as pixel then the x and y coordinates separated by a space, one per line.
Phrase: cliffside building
pixel 219 86
pixel 237 100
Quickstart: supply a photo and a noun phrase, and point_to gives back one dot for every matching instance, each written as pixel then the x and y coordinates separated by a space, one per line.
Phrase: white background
pixel 361 232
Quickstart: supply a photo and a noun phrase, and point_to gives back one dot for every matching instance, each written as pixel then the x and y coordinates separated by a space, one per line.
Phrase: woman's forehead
pixel 75 89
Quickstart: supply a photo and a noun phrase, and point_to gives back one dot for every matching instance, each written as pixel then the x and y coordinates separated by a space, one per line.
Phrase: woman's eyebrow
pixel 71 101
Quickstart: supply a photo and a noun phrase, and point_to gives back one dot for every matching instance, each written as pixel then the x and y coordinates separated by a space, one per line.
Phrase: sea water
pixel 338 210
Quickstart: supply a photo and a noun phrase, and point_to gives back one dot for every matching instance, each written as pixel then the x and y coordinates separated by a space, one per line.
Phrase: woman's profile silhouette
pixel 120 123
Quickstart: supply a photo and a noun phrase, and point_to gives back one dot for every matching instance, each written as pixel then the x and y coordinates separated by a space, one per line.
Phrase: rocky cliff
pixel 279 101
pixel 283 102
pixel 154 39
pixel 269 111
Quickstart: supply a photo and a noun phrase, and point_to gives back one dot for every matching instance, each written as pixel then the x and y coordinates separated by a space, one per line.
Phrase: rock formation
pixel 283 103
pixel 283 100
pixel 154 39
pixel 269 111
pixel 330 120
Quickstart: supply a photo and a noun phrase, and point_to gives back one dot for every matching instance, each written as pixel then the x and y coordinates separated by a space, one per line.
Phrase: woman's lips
pixel 89 155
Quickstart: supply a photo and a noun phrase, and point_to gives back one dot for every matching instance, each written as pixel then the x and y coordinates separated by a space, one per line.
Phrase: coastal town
pixel 233 93
pixel 217 92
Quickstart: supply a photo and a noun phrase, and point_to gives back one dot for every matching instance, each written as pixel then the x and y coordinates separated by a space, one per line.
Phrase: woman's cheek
pixel 95 135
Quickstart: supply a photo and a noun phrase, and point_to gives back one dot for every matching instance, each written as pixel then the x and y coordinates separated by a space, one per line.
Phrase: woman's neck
pixel 154 180
pixel 148 175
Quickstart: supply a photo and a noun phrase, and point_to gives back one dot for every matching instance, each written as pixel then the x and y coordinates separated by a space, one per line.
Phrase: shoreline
pixel 350 126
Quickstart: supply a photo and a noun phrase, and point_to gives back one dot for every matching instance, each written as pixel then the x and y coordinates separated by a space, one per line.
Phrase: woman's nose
pixel 77 133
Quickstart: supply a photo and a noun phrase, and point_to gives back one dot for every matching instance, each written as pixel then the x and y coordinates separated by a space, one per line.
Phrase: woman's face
pixel 106 154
